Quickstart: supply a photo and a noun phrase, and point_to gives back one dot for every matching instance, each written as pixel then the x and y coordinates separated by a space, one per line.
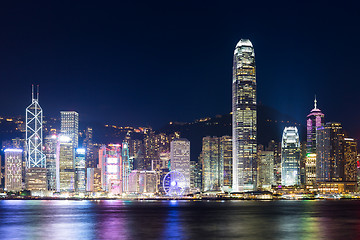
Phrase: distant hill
pixel 271 123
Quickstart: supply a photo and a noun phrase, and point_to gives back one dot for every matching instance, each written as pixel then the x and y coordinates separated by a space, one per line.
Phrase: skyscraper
pixel 313 121
pixel 126 167
pixel 50 145
pixel 290 157
pixel 211 163
pixel 180 158
pixel 65 174
pixel 330 157
pixel 266 170
pixel 350 159
pixel 80 170
pixel 88 144
pixel 110 162
pixel 70 126
pixel 244 117
pixel 34 133
pixel 13 169
pixel 226 162
pixel 36 160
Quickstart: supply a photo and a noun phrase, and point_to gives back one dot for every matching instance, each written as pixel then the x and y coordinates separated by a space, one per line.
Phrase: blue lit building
pixel 290 157
pixel 80 183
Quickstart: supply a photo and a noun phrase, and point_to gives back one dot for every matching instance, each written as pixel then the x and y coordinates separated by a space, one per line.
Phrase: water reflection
pixel 179 219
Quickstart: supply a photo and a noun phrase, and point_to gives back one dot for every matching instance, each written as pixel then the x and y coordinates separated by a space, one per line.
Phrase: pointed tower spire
pixel 315 101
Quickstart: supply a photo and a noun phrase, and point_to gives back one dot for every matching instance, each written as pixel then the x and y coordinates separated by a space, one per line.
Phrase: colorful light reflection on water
pixel 35 219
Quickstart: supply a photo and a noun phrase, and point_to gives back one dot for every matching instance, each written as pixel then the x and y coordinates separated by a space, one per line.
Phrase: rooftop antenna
pixel 32 91
pixel 37 97
pixel 315 102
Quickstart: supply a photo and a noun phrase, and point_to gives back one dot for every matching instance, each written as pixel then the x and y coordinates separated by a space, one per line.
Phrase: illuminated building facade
pixel 211 163
pixel 80 167
pixel 50 145
pixel 195 176
pixel 226 149
pixel 13 169
pixel 265 170
pixel 276 148
pixel 329 156
pixel 70 126
pixel 110 162
pixel 180 158
pixel 216 161
pixel 93 181
pixel 290 157
pixel 65 174
pixel 89 146
pixel 350 159
pixel 36 179
pixel 34 133
pixel 314 121
pixel 126 167
pixel 142 182
pixel 310 166
pixel 244 117
pixel 154 144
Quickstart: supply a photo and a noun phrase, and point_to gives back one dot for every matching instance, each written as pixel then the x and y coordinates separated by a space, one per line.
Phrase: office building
pixel 226 162
pixel 36 180
pixel 211 163
pixel 110 163
pixel 244 117
pixel 50 145
pixel 93 180
pixel 13 169
pixel 126 167
pixel 180 158
pixel 329 153
pixel 350 159
pixel 314 121
pixel 142 182
pixel 310 169
pixel 265 170
pixel 290 157
pixel 70 126
pixel 65 174
pixel 80 166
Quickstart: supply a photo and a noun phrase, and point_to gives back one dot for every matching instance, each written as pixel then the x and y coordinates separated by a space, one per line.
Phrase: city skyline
pixel 102 60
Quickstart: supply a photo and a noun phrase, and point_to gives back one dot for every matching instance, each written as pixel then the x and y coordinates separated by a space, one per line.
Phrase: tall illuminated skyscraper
pixel 290 157
pixel 313 121
pixel 50 145
pixel 329 156
pixel 126 167
pixel 34 135
pixel 244 117
pixel 70 126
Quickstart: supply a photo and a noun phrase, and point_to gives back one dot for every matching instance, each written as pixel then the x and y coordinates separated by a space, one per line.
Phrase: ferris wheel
pixel 174 183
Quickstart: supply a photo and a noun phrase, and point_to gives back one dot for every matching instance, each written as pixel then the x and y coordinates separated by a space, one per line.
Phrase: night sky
pixel 148 63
